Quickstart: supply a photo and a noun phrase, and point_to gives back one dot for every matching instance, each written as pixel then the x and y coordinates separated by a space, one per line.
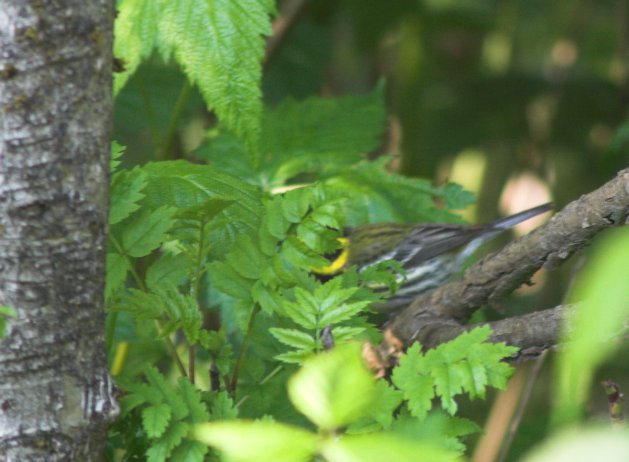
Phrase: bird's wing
pixel 429 241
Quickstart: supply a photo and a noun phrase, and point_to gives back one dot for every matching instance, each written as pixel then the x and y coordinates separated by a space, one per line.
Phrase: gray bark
pixel 55 117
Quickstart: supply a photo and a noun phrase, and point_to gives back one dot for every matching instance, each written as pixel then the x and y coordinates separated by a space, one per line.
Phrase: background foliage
pixel 241 169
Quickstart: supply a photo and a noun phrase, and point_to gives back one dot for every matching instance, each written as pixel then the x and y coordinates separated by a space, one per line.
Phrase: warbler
pixel 430 253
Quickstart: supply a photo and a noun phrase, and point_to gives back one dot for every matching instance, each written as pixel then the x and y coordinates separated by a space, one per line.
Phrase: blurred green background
pixel 521 101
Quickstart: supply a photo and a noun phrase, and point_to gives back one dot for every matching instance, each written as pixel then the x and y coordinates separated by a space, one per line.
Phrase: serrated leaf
pixel 222 407
pixel 343 334
pixel 135 32
pixel 174 435
pixel 117 150
pixel 168 269
pixel 293 338
pixel 148 393
pixel 192 397
pixel 158 452
pixel 245 441
pixel 302 312
pixel 185 186
pixel 333 389
pixel 275 221
pixel 157 381
pixel 215 40
pixel 294 357
pixel 147 231
pixel 298 254
pixel 376 195
pixel 342 312
pixel 228 281
pixel 141 305
pixel 125 194
pixel 117 269
pixel 383 409
pixel 189 451
pixel 270 300
pixel 130 401
pixel 155 419
pixel 245 258
pixel 463 365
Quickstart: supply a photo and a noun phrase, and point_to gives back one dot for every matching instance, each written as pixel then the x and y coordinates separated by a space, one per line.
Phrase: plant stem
pixel 150 113
pixel 268 377
pixel 191 363
pixel 243 348
pixel 173 350
pixel 140 283
pixel 174 121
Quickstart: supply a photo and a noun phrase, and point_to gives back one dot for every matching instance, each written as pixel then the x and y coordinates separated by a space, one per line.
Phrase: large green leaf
pixel 215 41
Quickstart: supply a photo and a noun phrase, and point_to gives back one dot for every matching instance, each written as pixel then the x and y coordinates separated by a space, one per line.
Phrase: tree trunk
pixel 55 118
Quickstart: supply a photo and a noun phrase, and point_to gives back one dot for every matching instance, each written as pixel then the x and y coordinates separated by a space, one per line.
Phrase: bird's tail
pixel 512 220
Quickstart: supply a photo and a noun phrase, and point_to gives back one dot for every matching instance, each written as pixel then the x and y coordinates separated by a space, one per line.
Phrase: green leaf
pixel 466 364
pixel 117 269
pixel 378 447
pixel 145 392
pixel 141 305
pixel 215 40
pixel 244 441
pixel 413 379
pixel 228 281
pixel 174 435
pixel 117 150
pixel 126 193
pixel 269 299
pixel 598 319
pixel 384 407
pixel 135 32
pixel 583 445
pixel 303 312
pixel 189 451
pixel 222 407
pixel 245 258
pixel 187 186
pixel 192 397
pixel 171 397
pixel 168 269
pixel 293 338
pixel 158 452
pixel 342 312
pixel 155 419
pixel 334 388
pixel 320 134
pixel 317 135
pixel 147 231
pixel 294 357
pixel 375 195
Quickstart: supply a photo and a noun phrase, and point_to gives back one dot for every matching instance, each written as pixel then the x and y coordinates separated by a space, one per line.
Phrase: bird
pixel 429 253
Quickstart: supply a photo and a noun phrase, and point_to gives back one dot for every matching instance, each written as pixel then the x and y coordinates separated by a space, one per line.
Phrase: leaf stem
pixel 174 121
pixel 173 349
pixel 191 363
pixel 142 286
pixel 243 348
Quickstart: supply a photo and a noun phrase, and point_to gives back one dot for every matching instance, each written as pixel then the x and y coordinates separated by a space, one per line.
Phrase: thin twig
pixel 243 348
pixel 281 26
pixel 527 391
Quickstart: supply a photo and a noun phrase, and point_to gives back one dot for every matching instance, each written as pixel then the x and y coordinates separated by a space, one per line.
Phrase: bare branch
pixel 433 317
